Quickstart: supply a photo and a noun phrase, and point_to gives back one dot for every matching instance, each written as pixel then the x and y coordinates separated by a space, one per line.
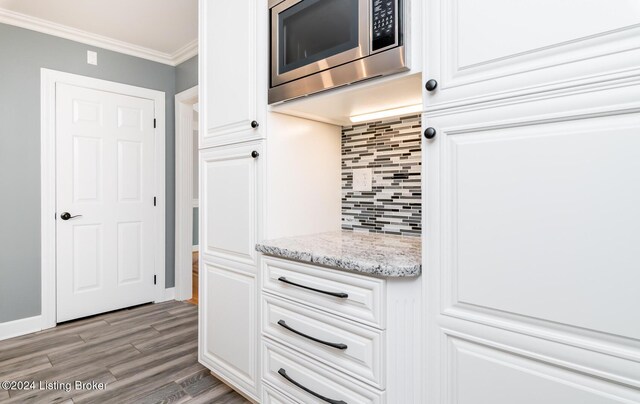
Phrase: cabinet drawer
pixel 273 396
pixel 355 349
pixel 307 381
pixel 357 297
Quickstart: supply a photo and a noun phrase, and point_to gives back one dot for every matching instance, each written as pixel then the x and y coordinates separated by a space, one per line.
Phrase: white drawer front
pixel 364 295
pixel 357 350
pixel 313 376
pixel 273 396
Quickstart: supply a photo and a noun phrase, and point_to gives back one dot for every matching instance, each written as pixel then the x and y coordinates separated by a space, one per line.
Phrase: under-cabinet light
pixel 386 113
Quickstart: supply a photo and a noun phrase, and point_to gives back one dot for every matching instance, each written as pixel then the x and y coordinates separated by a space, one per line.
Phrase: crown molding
pixel 100 41
pixel 185 53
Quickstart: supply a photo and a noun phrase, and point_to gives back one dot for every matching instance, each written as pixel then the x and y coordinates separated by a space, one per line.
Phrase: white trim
pixel 48 81
pixel 184 192
pixel 20 327
pixel 62 31
pixel 169 294
pixel 195 248
pixel 196 203
pixel 185 53
pixel 47 198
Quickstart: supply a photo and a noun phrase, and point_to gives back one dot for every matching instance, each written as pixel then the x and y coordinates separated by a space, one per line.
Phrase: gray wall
pixel 187 74
pixel 194 236
pixel 23 53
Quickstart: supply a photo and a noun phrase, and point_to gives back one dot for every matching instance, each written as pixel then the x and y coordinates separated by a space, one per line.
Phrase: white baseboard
pixel 196 248
pixel 16 328
pixel 169 294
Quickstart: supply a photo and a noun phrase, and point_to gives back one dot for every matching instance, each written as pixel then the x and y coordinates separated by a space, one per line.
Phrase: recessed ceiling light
pixel 386 113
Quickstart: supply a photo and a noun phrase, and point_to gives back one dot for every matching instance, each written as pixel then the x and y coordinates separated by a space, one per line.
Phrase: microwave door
pixel 309 36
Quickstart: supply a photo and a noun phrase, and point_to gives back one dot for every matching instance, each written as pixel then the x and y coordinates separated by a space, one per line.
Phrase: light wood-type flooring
pixel 146 354
pixel 194 277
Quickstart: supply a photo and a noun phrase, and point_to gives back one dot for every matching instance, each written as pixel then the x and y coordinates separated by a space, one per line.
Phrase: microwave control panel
pixel 384 22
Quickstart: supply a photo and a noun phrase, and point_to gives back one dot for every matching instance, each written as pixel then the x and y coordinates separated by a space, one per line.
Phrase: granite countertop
pixel 369 253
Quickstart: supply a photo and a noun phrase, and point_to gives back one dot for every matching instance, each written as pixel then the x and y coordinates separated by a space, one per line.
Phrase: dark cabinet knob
pixel 431 85
pixel 254 124
pixel 255 154
pixel 429 133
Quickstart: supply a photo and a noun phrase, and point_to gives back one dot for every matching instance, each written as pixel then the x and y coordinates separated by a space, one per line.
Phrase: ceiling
pixel 162 30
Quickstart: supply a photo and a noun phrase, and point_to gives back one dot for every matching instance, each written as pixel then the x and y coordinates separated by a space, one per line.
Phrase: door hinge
pixel 154 279
pixel 154 201
pixel 154 122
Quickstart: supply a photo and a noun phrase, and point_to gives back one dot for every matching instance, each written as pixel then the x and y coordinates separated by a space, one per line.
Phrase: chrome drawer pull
pixel 283 373
pixel 335 294
pixel 283 324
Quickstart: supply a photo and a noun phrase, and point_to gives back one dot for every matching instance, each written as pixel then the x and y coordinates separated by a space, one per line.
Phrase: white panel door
pixel 491 49
pixel 229 34
pixel 105 181
pixel 532 251
pixel 229 203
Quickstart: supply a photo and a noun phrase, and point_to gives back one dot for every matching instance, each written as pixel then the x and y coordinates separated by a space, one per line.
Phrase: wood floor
pixel 194 278
pixel 146 354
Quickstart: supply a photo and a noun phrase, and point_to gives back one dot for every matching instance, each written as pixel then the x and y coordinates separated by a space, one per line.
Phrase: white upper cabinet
pixel 233 85
pixel 484 50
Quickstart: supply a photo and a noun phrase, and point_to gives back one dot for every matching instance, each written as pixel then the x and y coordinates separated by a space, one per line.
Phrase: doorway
pixel 187 205
pixel 102 196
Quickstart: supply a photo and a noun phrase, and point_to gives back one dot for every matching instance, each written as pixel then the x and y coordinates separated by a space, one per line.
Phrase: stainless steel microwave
pixel 321 44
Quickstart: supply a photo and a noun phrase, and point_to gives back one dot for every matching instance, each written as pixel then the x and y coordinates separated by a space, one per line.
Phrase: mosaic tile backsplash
pixel 391 151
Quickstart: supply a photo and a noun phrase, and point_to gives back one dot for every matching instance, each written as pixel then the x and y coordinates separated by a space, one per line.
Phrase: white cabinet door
pixel 494 49
pixel 228 326
pixel 531 253
pixel 230 190
pixel 233 39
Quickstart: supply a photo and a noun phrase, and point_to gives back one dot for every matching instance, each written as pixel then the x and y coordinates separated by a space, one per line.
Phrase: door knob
pixel 67 216
pixel 255 154
pixel 429 133
pixel 431 85
pixel 254 124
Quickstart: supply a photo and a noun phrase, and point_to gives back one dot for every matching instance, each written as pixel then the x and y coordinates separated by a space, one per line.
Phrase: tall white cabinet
pixel 261 175
pixel 531 195
pixel 232 77
pixel 231 188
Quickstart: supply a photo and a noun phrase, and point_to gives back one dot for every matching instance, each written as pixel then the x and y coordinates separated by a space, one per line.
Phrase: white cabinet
pixel 498 49
pixel 232 183
pixel 232 64
pixel 228 318
pixel 361 347
pixel 251 185
pixel 531 202
pixel 233 46
pixel 241 185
